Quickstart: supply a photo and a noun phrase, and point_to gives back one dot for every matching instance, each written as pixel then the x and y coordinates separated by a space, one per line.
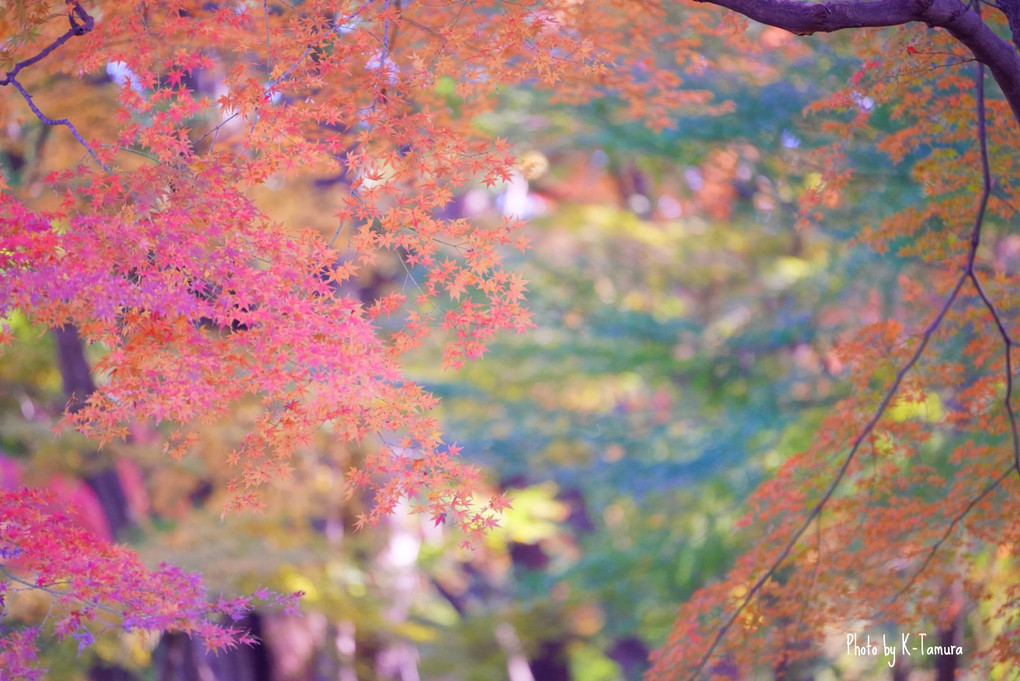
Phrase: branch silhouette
pixel 960 19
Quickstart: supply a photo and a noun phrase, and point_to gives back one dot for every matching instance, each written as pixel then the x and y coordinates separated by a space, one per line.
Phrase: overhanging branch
pixel 954 16
pixel 1011 8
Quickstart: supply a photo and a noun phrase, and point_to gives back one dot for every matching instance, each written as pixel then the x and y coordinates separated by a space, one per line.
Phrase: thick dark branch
pixel 956 17
pixel 805 18
pixel 1011 8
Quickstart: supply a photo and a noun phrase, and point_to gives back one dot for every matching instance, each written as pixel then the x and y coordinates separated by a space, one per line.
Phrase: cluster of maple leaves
pixel 94 582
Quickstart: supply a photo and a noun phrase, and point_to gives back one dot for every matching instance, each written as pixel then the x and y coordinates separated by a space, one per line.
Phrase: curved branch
pixel 1011 8
pixel 80 26
pixel 956 17
pixel 805 18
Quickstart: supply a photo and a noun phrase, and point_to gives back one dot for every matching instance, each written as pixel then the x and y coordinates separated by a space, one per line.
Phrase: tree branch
pixel 1000 324
pixel 975 239
pixel 805 18
pixel 54 121
pixel 81 22
pixel 957 519
pixel 816 511
pixel 1011 8
pixel 967 274
pixel 80 26
pixel 956 17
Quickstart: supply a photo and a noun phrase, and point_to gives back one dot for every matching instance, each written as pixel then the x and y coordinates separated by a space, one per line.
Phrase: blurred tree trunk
pixel 78 385
pixel 181 658
pixel 397 659
pixel 952 635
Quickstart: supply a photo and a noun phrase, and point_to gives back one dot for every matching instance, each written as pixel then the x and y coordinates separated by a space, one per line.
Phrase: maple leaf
pixel 174 77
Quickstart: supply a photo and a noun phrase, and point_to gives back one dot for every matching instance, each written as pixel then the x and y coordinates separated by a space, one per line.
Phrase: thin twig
pixel 991 487
pixel 408 270
pixel 267 92
pixel 76 28
pixel 265 11
pixel 7 574
pixel 80 23
pixel 59 121
pixel 386 37
pixel 215 131
pixel 132 150
pixel 336 234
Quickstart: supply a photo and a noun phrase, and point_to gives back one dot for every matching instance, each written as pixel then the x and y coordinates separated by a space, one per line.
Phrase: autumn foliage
pixel 153 244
